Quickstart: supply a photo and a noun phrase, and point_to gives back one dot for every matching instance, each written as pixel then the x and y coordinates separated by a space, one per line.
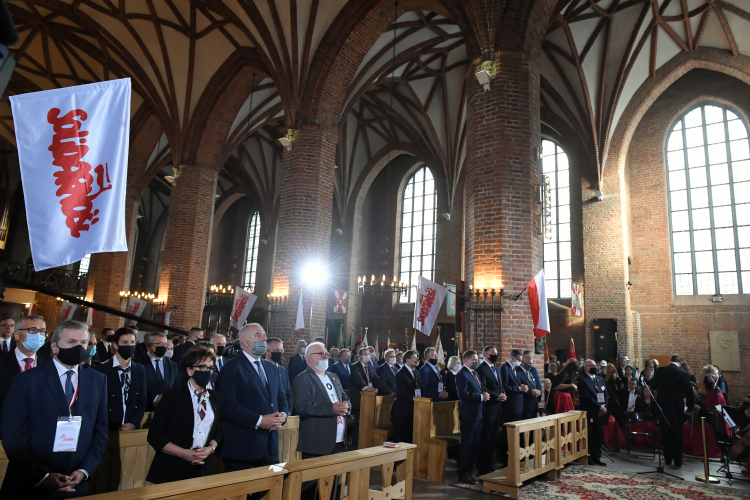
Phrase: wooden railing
pixel 436 427
pixel 540 446
pixel 374 419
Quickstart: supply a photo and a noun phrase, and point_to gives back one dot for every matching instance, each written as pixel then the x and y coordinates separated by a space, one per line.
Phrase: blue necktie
pixel 159 376
pixel 69 390
pixel 221 364
pixel 261 373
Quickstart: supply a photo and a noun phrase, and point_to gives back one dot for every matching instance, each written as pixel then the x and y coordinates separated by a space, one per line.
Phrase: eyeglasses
pixel 323 355
pixel 203 368
pixel 6 325
pixel 40 331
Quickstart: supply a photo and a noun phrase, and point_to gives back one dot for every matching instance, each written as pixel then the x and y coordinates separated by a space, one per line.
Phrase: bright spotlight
pixel 314 275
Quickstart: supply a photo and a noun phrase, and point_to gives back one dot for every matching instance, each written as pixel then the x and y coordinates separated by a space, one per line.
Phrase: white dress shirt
pixel 6 342
pixel 62 374
pixel 340 423
pixel 201 428
pixel 21 357
pixel 115 364
pixel 631 400
pixel 252 363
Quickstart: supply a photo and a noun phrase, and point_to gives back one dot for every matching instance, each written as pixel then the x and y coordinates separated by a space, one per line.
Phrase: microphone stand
pixel 660 467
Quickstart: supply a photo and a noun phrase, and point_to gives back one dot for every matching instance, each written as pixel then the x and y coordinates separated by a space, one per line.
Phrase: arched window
pixel 83 266
pixel 251 255
pixel 418 231
pixel 557 239
pixel 708 174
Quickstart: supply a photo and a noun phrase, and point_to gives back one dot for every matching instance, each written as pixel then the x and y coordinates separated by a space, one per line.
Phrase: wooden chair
pixel 436 428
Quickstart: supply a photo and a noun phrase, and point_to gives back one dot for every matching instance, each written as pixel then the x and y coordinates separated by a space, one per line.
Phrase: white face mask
pixel 322 365
pixel 516 363
pixel 169 353
pixel 366 358
pixel 391 361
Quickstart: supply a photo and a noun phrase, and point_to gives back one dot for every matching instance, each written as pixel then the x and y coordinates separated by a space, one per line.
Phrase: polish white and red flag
pixel 576 301
pixel 243 302
pixel 538 301
pixel 73 153
pixel 67 311
pixel 165 321
pixel 430 297
pixel 340 301
pixel 136 306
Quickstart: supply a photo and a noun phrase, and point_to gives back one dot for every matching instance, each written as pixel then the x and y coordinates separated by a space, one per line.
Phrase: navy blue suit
pixel 170 378
pixel 530 403
pixel 513 406
pixel 136 404
pixel 430 380
pixel 297 365
pixel 244 398
pixel 345 375
pixel 470 415
pixel 388 376
pixel 30 424
pixel 283 374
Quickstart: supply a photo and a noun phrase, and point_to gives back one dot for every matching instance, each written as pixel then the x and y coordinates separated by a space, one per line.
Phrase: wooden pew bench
pixel 375 426
pixel 436 428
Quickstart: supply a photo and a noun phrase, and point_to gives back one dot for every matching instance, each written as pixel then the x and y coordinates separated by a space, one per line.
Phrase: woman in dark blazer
pixel 182 446
pixel 452 367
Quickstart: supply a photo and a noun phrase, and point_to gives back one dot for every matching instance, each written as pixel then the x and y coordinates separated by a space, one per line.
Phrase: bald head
pixel 249 335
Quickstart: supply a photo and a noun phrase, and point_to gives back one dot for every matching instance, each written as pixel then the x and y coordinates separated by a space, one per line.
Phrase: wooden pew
pixel 374 419
pixel 288 439
pixel 436 427
pixel 354 469
pixel 229 486
pixel 146 420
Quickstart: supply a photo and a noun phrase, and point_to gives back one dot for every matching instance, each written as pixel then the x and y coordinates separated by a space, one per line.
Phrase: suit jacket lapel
pixel 54 385
pixel 254 373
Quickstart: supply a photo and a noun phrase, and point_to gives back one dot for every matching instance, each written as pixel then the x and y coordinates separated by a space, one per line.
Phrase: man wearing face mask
pixel 408 386
pixel 170 349
pixel 102 349
pixel 194 335
pixel 387 371
pixel 58 391
pixel 126 383
pixel 515 388
pixel 364 378
pixel 531 397
pixel 472 395
pixel 254 405
pixel 275 354
pixel 297 362
pixel 489 377
pixel 430 378
pixel 162 374
pixel 343 369
pixel 29 335
pixel 593 398
pixel 220 341
pixel 90 358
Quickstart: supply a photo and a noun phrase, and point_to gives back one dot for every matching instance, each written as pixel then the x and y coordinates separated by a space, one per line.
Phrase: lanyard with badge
pixel 68 430
pixel 599 392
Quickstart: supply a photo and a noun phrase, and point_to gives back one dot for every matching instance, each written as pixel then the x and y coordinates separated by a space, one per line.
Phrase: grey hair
pixel 218 335
pixel 68 325
pixel 33 316
pixel 428 351
pixel 150 339
pixel 388 351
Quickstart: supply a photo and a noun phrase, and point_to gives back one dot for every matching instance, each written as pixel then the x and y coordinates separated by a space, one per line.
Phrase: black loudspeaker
pixel 605 340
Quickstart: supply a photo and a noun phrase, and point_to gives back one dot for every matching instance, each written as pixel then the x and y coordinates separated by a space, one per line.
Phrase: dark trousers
pixel 403 426
pixel 596 438
pixel 671 440
pixel 488 441
pixel 310 488
pixel 355 432
pixel 471 434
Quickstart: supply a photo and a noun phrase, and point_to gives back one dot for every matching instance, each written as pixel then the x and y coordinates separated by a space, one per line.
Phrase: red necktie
pixel 29 363
pixel 201 404
pixel 477 379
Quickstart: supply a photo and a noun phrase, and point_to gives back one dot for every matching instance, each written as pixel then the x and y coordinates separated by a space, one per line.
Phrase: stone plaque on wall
pixel 725 350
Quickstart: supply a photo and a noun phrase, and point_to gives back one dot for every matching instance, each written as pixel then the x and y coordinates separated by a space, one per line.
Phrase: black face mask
pixel 160 351
pixel 125 351
pixel 433 361
pixel 276 356
pixel 72 355
pixel 493 358
pixel 592 370
pixel 201 378
pixel 344 360
pixel 220 349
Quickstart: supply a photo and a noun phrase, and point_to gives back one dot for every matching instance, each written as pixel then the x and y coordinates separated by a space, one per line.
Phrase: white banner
pixel 90 317
pixel 135 307
pixel 165 321
pixel 67 310
pixel 243 302
pixel 430 297
pixel 72 207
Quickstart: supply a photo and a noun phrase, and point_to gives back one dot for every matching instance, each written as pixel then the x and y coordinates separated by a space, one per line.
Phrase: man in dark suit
pixel 343 369
pixel 472 395
pixel 254 405
pixel 492 414
pixel 126 383
pixel 194 335
pixel 408 386
pixel 430 378
pixel 102 348
pixel 594 398
pixel 387 370
pixel 220 341
pixel 514 388
pixel 56 389
pixel 531 397
pixel 29 337
pixel 7 327
pixel 364 378
pixel 297 362
pixel 274 355
pixel 673 393
pixel 162 374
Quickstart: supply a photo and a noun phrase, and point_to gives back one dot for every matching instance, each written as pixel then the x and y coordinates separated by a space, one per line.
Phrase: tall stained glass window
pixel 708 173
pixel 557 238
pixel 83 266
pixel 251 256
pixel 418 231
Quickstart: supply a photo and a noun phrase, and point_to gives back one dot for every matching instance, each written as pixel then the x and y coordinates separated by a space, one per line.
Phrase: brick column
pixel 109 272
pixel 304 228
pixel 502 244
pixel 48 307
pixel 187 245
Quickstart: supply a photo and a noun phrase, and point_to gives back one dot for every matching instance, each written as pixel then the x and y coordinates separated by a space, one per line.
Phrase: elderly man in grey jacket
pixel 322 405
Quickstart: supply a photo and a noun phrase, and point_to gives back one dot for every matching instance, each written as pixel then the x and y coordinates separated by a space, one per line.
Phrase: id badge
pixel 66 434
pixel 417 393
pixel 440 387
pixel 600 398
